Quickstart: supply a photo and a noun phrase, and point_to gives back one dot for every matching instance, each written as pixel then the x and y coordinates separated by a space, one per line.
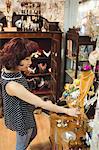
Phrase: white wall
pixel 70 13
pixel 53 10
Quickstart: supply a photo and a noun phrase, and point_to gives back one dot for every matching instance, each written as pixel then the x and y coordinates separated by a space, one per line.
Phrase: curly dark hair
pixel 16 50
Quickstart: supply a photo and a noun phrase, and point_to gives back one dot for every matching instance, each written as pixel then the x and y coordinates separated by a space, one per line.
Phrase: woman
pixel 19 103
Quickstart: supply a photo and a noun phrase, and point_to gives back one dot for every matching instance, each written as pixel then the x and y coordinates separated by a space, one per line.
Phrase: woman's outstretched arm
pixel 16 89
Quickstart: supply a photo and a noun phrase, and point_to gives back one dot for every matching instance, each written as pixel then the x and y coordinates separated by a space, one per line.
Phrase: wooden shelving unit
pixel 75 45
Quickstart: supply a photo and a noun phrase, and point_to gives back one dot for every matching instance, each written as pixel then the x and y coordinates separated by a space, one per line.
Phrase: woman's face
pixel 24 64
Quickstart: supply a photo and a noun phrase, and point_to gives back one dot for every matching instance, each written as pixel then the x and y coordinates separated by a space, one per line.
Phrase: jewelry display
pixel 27 17
pixel 68 136
pixel 87 78
pixel 72 131
pixel 38 74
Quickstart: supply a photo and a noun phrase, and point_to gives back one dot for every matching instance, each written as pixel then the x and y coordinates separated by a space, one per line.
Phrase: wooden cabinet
pixel 77 51
pixel 50 42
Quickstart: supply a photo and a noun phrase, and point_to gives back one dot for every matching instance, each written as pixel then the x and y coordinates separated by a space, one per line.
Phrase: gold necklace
pixel 84 77
pixel 84 87
pixel 83 81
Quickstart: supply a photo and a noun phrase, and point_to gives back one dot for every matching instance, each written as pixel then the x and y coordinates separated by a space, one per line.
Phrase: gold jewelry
pixel 88 82
pixel 85 84
pixel 83 74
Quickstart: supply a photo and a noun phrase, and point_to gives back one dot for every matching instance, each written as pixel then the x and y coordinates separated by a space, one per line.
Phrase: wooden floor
pixel 41 142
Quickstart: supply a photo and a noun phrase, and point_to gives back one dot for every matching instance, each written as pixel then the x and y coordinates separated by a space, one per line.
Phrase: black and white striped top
pixel 18 114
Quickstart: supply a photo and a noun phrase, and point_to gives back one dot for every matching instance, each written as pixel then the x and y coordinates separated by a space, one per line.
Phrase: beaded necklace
pixel 10 78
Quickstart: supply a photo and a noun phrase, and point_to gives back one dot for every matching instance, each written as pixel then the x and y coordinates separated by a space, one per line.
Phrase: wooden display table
pixel 62 126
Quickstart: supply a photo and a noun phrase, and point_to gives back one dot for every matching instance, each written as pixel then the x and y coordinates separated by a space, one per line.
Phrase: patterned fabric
pixel 18 114
pixel 1 101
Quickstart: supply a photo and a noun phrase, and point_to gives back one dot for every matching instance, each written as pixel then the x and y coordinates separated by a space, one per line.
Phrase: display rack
pixel 77 51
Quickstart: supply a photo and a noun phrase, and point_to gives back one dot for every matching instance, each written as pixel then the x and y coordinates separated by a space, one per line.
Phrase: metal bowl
pixel 68 136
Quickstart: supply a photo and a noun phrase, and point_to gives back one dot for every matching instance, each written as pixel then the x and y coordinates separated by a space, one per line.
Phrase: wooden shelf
pixel 28 15
pixel 40 74
pixel 40 58
pixel 71 57
pixel 82 60
pixel 42 92
pixel 71 73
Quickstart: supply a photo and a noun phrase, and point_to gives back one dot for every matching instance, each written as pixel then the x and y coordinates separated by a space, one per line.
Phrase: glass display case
pixel 77 51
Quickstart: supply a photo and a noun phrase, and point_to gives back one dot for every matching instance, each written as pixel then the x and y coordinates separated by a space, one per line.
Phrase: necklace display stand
pixel 71 131
pixel 86 82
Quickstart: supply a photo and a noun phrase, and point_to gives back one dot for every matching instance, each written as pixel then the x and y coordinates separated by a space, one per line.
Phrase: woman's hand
pixel 69 111
pixel 72 112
